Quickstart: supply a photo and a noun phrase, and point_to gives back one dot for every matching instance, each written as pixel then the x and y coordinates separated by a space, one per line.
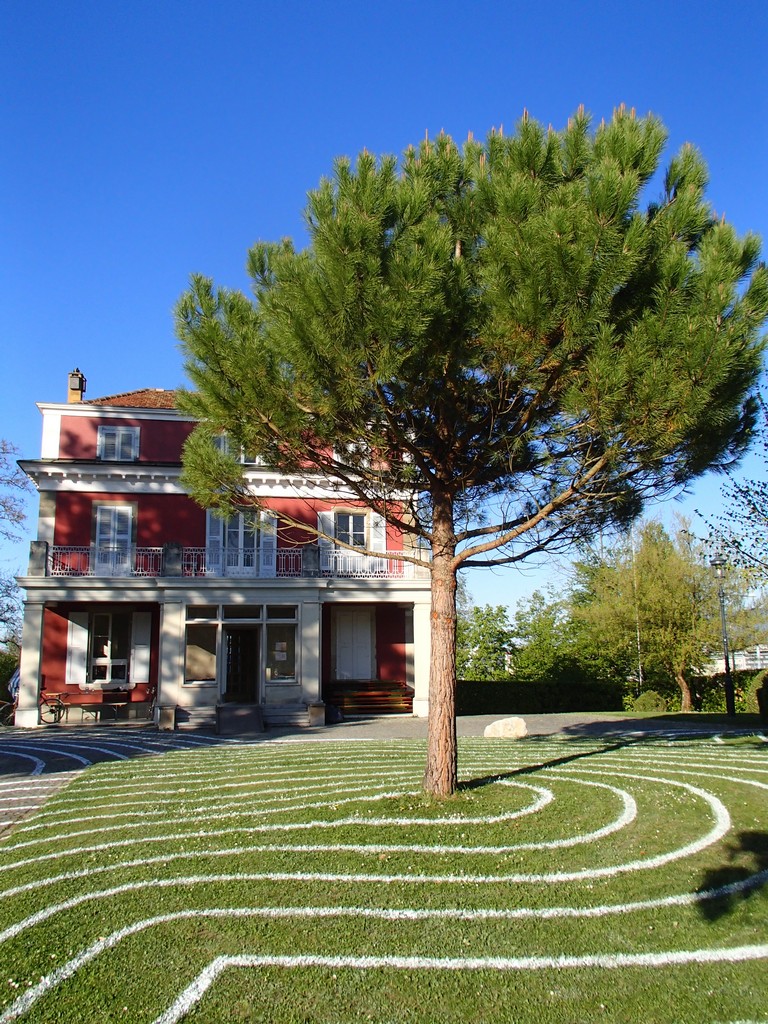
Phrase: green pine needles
pixel 527 345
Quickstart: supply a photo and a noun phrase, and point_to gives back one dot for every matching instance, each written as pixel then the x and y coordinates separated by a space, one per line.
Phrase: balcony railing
pixel 345 564
pixel 173 560
pixel 101 561
pixel 237 562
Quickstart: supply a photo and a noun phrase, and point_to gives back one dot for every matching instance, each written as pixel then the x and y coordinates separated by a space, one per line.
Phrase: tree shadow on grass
pixel 722 889
pixel 553 762
pixel 665 726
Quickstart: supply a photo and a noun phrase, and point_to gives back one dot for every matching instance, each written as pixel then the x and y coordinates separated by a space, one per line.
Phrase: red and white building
pixel 134 592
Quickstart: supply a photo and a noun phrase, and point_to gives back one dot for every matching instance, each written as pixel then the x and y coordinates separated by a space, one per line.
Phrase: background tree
pixel 496 348
pixel 13 485
pixel 743 531
pixel 652 599
pixel 10 630
pixel 554 645
pixel 483 643
pixel 10 616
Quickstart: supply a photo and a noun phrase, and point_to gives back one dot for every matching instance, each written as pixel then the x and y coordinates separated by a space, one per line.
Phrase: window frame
pixel 124 438
pixel 348 534
pixel 277 623
pixel 106 660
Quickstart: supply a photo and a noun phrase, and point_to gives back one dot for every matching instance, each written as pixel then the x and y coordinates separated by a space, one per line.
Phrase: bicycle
pixel 8 712
pixel 52 708
pixel 152 703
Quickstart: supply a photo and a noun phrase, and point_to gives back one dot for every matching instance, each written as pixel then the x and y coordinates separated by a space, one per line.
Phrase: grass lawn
pixel 568 880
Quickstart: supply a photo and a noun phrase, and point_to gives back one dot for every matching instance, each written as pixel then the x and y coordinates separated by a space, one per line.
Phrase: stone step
pixel 188 718
pixel 239 719
pixel 274 715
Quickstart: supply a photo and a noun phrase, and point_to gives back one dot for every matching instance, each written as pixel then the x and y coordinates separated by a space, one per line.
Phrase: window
pixel 242 611
pixel 358 529
pixel 118 444
pixel 281 652
pixel 223 444
pixel 350 528
pixel 243 545
pixel 202 611
pixel 200 660
pixel 113 539
pixel 110 647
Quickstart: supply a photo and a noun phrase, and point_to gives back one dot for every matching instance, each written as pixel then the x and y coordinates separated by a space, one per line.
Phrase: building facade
pixel 136 595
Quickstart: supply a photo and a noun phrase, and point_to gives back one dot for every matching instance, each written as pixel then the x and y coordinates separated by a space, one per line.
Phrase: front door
pixel 354 643
pixel 241 683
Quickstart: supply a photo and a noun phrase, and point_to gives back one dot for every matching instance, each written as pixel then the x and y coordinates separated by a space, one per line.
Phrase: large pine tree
pixel 528 349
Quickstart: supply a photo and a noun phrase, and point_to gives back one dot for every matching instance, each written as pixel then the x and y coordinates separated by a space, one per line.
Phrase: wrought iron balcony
pixel 175 560
pixel 104 561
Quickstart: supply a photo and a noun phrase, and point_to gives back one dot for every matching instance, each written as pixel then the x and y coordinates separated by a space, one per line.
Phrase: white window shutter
pixel 214 542
pixel 141 635
pixel 128 444
pixel 378 532
pixel 325 522
pixel 123 526
pixel 114 539
pixel 268 544
pixel 103 526
pixel 107 443
pixel 77 649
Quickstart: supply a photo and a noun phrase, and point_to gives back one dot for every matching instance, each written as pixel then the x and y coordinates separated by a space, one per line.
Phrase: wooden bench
pixel 95 709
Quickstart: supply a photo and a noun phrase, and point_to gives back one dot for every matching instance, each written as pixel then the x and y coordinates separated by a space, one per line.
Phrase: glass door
pixel 241 679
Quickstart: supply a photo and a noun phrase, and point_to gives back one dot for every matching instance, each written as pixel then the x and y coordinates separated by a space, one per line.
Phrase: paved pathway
pixel 36 763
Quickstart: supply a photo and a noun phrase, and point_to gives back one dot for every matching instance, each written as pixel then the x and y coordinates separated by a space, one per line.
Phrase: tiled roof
pixel 144 398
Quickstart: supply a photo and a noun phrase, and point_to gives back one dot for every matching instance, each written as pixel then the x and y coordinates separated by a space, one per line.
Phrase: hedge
pixel 510 697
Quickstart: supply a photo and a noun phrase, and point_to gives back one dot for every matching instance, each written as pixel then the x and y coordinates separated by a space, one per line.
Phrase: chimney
pixel 76 386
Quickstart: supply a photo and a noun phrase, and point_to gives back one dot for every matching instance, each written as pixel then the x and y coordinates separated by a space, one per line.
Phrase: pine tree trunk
pixel 441 775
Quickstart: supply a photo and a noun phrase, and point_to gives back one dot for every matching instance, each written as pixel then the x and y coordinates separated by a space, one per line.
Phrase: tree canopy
pixel 483 643
pixel 643 610
pixel 13 484
pixel 497 347
pixel 742 531
pixel 653 597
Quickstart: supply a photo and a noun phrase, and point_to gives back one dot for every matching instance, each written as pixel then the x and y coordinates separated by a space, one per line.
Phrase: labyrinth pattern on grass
pixel 275 880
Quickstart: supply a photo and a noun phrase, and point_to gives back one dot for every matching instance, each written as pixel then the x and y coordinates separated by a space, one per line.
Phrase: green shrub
pixel 709 691
pixel 649 700
pixel 512 697
pixel 8 662
pixel 749 696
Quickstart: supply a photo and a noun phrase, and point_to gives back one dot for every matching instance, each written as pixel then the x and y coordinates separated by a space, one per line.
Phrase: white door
pixel 243 545
pixel 113 540
pixel 354 643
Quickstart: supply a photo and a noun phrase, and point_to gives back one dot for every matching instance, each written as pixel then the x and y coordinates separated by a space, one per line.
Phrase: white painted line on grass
pixel 194 992
pixel 601 960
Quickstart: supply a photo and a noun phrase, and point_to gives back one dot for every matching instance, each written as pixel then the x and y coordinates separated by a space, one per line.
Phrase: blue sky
pixel 143 142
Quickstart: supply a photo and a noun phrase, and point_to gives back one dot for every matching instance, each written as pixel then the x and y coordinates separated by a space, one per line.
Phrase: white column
pixel 27 712
pixel 310 640
pixel 422 648
pixel 171 674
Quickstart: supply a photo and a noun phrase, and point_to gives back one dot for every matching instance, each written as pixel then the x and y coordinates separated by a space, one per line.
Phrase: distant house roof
pixel 144 398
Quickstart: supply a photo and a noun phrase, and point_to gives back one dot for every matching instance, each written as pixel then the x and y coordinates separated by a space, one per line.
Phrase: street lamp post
pixel 718 564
